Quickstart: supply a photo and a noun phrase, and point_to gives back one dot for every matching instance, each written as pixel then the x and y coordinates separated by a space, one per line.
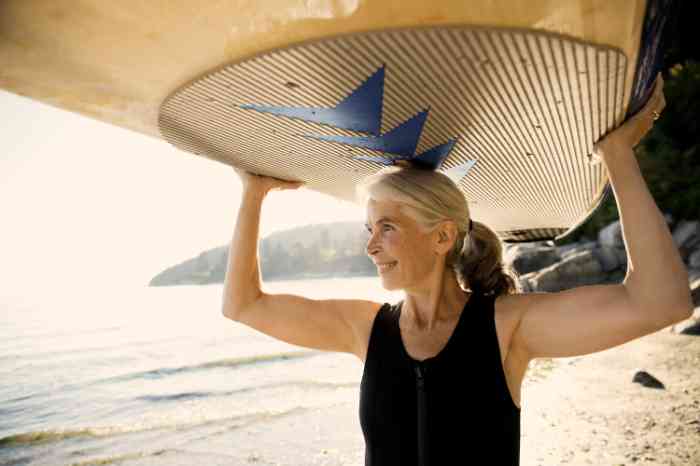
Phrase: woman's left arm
pixel 657 279
pixel 655 292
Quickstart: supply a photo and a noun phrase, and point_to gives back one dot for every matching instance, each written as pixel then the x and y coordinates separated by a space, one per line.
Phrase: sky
pixel 86 203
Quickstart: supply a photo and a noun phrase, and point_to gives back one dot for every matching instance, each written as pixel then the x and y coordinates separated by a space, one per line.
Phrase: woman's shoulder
pixel 364 322
pixel 508 309
pixel 510 302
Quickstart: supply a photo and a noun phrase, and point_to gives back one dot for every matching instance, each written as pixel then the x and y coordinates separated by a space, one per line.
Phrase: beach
pixel 576 411
pixel 116 386
pixel 589 411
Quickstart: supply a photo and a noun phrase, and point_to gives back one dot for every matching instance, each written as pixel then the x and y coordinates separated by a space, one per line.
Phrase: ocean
pixel 156 375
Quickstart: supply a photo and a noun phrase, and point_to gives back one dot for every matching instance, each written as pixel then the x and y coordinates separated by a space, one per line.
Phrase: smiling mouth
pixel 385 267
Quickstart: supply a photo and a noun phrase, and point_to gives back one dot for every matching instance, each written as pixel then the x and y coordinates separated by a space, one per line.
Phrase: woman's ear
pixel 446 236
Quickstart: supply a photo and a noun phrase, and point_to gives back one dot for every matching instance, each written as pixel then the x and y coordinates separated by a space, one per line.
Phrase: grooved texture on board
pixel 527 106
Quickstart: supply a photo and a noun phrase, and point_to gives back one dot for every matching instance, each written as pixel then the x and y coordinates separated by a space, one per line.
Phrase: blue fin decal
pixel 360 111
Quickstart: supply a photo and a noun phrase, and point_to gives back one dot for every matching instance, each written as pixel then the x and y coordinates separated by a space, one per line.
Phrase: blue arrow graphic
pixel 361 111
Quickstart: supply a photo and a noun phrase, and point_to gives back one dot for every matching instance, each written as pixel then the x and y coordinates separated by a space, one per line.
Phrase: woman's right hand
pixel 264 183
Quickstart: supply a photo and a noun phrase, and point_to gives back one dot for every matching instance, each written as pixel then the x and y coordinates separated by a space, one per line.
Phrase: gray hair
pixel 430 197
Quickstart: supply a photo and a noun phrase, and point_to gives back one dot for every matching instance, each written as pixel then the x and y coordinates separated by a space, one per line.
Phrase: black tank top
pixel 453 408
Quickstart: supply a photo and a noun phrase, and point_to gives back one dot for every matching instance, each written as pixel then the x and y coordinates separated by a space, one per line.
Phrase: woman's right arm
pixel 242 280
pixel 331 325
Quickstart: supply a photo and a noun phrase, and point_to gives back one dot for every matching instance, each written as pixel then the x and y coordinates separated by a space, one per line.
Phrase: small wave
pixel 85 350
pixel 19 398
pixel 92 462
pixel 116 459
pixel 222 363
pixel 178 396
pixel 29 439
pixel 212 394
pixel 313 383
pixel 120 458
pixel 166 371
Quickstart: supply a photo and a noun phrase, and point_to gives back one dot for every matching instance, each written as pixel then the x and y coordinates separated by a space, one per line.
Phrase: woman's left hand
pixel 628 135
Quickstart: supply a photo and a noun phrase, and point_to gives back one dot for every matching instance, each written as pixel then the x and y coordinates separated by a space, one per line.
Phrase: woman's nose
pixel 371 247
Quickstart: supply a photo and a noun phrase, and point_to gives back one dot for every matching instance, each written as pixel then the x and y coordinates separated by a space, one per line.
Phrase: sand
pixel 589 411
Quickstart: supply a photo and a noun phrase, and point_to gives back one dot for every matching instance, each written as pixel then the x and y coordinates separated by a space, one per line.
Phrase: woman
pixel 444 366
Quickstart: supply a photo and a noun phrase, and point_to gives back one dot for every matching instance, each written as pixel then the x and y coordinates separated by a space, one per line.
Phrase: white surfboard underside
pixel 526 106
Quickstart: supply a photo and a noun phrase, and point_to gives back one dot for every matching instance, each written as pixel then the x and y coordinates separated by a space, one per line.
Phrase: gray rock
pixel 689 326
pixel 524 285
pixel 694 259
pixel 695 290
pixel 562 250
pixel 570 249
pixel 611 235
pixel 528 258
pixel 608 257
pixel 616 277
pixel 684 231
pixel 526 282
pixel 669 219
pixel 686 236
pixel 693 275
pixel 578 269
pixel 621 256
pixel 646 379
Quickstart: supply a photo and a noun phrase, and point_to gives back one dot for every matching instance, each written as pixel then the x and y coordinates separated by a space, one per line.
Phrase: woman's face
pixel 396 238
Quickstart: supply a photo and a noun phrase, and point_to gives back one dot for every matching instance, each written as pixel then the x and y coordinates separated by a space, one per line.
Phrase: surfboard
pixel 505 97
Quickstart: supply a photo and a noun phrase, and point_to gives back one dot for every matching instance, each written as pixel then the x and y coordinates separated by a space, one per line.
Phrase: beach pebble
pixel 647 380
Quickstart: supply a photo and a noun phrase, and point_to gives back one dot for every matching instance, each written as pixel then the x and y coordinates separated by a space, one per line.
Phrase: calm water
pixel 127 375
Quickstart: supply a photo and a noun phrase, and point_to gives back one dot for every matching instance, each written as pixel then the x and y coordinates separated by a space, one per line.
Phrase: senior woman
pixel 443 367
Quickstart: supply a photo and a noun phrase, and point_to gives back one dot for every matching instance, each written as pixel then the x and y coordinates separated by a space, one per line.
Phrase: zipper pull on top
pixel 420 374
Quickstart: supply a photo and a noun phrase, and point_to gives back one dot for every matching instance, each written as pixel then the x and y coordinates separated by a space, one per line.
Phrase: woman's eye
pixel 386 227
